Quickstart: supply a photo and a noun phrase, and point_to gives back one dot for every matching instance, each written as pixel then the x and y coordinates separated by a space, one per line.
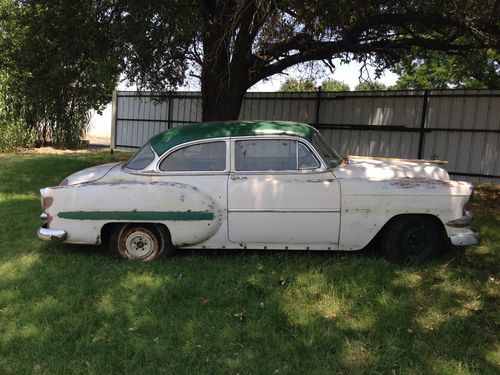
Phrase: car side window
pixel 209 157
pixel 306 158
pixel 266 155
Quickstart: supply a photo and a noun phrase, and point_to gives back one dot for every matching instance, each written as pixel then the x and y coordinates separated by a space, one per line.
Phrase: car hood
pixel 89 174
pixel 386 168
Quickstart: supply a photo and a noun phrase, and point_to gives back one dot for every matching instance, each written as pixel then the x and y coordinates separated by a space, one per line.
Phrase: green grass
pixel 73 309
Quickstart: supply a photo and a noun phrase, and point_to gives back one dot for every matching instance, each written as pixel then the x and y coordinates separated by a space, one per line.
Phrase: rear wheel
pixel 412 239
pixel 144 242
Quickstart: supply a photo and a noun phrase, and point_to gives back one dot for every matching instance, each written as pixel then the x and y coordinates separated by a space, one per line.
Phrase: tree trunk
pixel 224 76
pixel 220 101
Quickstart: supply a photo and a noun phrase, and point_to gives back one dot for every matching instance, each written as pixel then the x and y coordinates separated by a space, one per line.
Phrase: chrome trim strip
pixel 461 222
pixel 312 210
pixel 465 239
pixel 51 234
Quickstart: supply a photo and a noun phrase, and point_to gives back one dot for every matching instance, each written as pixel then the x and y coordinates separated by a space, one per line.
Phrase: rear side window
pixel 141 158
pixel 207 157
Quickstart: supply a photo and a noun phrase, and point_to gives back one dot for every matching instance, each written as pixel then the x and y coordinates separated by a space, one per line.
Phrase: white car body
pixel 321 208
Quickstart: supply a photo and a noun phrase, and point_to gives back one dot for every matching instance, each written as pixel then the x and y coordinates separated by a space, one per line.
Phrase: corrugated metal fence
pixel 461 126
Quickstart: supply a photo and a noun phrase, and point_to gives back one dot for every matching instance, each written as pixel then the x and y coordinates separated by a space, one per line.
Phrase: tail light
pixel 47 202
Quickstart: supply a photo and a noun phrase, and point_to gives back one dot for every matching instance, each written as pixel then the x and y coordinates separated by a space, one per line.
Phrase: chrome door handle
pixel 233 177
pixel 322 180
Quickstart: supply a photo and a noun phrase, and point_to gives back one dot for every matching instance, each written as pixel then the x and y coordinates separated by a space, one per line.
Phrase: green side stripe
pixel 138 215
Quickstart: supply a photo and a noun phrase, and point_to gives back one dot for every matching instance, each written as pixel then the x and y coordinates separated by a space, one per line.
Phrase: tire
pixel 412 239
pixel 142 242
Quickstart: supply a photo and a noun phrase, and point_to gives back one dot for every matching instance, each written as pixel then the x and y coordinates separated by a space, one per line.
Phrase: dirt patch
pixel 486 199
pixel 52 150
pixel 98 140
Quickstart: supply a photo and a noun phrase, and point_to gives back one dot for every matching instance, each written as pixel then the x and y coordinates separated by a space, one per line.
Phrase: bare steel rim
pixel 139 243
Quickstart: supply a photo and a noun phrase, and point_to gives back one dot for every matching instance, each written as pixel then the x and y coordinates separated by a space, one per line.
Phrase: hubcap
pixel 139 243
pixel 417 242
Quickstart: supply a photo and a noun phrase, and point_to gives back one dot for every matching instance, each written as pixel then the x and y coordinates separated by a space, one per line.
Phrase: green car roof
pixel 206 130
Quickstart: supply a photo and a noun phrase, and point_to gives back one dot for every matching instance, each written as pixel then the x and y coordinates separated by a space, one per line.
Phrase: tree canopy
pixel 441 71
pixel 237 43
pixel 58 60
pixel 370 86
pixel 61 57
pixel 309 85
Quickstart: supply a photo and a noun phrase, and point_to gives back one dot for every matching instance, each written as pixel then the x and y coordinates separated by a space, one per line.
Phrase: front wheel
pixel 142 242
pixel 413 239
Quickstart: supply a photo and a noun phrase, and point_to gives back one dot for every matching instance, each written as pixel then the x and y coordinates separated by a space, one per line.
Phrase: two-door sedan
pixel 257 185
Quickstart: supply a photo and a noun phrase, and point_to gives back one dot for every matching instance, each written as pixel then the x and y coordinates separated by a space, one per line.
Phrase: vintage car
pixel 257 185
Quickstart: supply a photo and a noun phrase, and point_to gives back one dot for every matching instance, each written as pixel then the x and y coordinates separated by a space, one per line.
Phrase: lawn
pixel 73 309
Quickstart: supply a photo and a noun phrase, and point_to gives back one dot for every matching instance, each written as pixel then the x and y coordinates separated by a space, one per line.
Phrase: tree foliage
pixel 370 86
pixel 58 60
pixel 237 43
pixel 298 85
pixel 309 85
pixel 440 71
pixel 334 85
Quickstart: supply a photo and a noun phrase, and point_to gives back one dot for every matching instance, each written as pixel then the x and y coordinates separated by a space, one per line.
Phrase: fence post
pixel 422 124
pixel 318 101
pixel 114 112
pixel 169 118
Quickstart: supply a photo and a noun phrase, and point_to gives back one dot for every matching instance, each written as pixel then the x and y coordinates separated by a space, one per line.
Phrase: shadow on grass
pixel 66 309
pixel 72 308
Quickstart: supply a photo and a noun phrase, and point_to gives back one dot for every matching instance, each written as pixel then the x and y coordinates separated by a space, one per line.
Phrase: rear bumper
pixel 51 234
pixel 465 239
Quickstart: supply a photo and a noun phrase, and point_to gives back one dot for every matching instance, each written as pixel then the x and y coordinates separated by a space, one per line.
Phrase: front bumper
pixel 465 239
pixel 51 234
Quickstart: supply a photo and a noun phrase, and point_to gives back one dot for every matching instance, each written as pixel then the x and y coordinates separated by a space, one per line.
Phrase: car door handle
pixel 233 177
pixel 322 180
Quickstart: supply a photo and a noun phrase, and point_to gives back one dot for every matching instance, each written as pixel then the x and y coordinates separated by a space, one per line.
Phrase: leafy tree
pixel 334 85
pixel 294 85
pixel 441 71
pixel 233 44
pixel 58 60
pixel 370 86
pixel 308 85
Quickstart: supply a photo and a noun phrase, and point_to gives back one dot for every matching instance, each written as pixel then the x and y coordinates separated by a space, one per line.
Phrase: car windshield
pixel 141 158
pixel 327 153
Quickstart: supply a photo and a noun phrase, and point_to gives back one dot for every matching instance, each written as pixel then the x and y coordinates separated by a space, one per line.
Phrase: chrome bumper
pixel 465 239
pixel 51 234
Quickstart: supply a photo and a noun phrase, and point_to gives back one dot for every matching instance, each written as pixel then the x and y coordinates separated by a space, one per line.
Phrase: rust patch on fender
pixel 411 183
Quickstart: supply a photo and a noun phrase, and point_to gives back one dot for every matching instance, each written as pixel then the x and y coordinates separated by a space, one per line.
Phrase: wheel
pixel 140 242
pixel 413 239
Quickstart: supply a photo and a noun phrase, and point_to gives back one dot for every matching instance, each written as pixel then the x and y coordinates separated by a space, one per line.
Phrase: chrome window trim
pixel 321 169
pixel 192 143
pixel 310 210
pixel 148 169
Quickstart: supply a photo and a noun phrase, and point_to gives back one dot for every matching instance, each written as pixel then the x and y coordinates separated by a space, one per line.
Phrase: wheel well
pixel 107 229
pixel 393 219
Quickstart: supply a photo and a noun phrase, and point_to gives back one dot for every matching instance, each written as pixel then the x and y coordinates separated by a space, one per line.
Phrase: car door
pixel 279 191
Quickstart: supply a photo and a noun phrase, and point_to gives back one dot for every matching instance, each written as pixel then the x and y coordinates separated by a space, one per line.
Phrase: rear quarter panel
pixel 82 210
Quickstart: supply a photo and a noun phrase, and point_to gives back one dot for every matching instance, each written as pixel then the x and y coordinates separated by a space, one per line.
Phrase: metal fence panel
pixel 461 126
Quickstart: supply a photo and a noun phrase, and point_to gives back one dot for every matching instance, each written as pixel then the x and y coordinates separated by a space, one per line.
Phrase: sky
pixel 348 73
pixel 100 125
